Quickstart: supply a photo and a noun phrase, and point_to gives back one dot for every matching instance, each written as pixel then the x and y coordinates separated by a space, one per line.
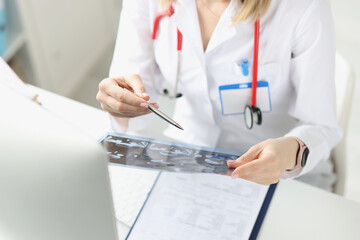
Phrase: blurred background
pixel 66 47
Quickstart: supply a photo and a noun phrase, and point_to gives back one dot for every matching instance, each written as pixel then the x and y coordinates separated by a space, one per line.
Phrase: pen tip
pixel 178 126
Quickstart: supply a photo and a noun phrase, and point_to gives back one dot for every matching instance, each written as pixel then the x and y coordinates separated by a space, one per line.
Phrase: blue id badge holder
pixel 234 97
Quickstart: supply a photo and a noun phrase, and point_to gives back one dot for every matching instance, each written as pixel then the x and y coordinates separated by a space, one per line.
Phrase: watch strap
pixel 299 155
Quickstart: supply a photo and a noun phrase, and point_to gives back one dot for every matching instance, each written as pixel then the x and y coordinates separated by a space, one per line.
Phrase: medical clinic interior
pixel 179 119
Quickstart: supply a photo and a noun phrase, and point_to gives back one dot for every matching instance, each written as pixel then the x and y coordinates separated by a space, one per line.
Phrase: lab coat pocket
pixel 234 97
pixel 269 72
pixel 242 70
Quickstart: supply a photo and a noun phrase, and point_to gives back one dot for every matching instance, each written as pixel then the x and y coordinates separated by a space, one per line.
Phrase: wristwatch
pixel 302 154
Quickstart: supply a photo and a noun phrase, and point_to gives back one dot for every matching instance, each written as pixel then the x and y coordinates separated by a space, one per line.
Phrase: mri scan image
pixel 162 155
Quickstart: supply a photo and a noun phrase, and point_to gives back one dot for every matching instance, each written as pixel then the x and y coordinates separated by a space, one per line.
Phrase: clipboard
pixel 262 212
pixel 145 219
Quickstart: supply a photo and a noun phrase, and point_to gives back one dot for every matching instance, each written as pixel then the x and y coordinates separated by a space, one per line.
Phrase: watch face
pixel 304 157
pixel 248 117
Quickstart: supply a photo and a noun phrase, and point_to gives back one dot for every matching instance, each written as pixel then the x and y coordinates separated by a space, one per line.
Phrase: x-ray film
pixel 164 155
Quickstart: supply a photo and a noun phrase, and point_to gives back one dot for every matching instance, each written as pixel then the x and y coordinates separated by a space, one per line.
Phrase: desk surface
pixel 297 210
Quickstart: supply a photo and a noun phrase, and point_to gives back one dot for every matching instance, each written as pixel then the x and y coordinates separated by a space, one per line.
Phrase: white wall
pixel 347 18
pixel 64 39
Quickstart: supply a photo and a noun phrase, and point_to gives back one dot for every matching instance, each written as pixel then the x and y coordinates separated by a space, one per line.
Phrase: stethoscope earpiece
pixel 252 114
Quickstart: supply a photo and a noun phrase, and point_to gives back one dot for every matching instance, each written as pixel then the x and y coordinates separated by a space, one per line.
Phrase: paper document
pixel 9 79
pixel 199 206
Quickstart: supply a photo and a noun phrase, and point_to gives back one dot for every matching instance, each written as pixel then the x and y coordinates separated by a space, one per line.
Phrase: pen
pixel 164 116
pixel 160 113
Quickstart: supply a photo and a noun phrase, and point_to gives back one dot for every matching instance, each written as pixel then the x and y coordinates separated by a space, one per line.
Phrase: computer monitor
pixel 54 181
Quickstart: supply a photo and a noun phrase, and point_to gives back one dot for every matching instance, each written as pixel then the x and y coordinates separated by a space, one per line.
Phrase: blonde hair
pixel 251 9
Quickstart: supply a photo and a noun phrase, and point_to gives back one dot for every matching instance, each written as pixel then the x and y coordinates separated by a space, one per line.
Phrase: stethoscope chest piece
pixel 252 114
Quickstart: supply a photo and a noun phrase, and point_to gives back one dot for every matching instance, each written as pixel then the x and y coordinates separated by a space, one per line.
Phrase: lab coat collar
pixel 225 29
pixel 186 19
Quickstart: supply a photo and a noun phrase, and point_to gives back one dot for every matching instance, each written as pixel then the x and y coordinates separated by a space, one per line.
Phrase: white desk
pixel 297 210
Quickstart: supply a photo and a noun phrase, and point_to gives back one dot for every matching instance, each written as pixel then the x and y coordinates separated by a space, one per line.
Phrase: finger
pixel 119 81
pixel 155 104
pixel 252 154
pixel 136 84
pixel 113 106
pixel 127 115
pixel 121 115
pixel 122 95
pixel 111 84
pixel 229 172
pixel 109 110
pixel 124 108
pixel 260 171
pixel 119 109
pixel 247 170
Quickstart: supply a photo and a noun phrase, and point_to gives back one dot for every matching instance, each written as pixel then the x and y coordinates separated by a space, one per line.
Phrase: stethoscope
pixel 252 113
pixel 165 92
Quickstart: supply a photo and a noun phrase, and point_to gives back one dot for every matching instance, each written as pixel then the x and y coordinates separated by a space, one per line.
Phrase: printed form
pixel 199 206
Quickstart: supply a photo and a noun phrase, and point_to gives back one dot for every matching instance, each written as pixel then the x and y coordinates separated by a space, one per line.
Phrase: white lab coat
pixel 296 57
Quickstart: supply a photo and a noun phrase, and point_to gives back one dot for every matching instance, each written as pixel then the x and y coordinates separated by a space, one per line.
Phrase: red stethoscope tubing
pixel 158 17
pixel 170 12
pixel 255 63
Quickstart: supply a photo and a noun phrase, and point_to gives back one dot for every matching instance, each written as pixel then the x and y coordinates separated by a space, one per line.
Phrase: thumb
pixel 249 156
pixel 135 82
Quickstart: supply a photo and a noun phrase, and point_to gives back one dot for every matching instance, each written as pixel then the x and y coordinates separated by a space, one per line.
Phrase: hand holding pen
pixel 115 96
pixel 126 97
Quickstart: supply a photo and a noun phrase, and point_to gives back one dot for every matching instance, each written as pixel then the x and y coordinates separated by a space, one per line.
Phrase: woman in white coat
pixel 296 61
